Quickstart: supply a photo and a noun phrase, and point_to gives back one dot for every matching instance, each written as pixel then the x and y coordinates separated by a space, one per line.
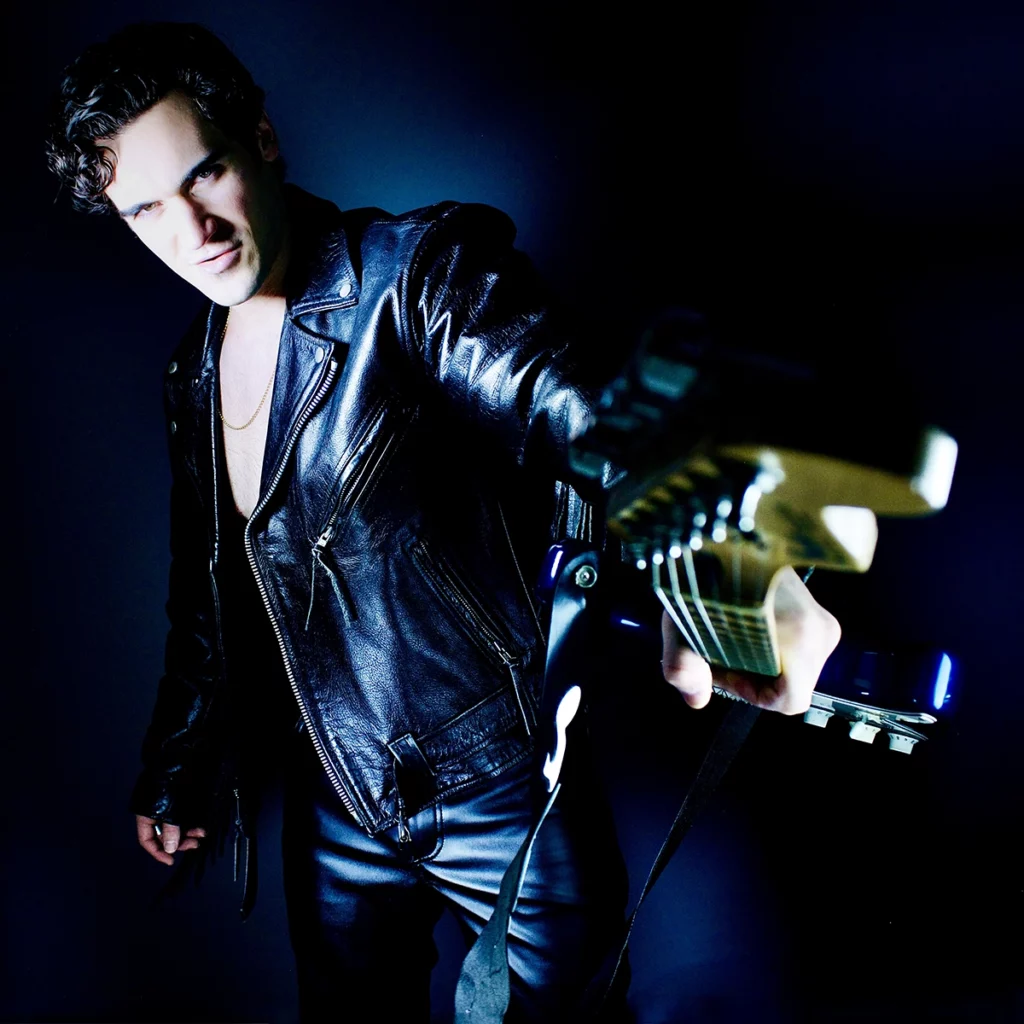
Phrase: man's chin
pixel 227 290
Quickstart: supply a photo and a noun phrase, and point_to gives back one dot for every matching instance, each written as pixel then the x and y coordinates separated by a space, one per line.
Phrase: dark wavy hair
pixel 113 82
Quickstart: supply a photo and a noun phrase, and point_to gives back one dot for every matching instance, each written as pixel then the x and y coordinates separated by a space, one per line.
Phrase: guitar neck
pixel 735 636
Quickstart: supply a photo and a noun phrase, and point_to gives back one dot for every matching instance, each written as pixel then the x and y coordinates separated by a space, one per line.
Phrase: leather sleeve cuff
pixel 156 797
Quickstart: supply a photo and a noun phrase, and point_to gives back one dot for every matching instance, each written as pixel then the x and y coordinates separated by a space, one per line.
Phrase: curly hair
pixel 113 82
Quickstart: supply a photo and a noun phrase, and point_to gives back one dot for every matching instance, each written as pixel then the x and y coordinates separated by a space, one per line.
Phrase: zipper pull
pixel 323 540
pixel 404 835
pixel 321 543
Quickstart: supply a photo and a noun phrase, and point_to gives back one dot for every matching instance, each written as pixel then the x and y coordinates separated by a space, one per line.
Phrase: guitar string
pixel 677 596
pixel 659 590
pixel 729 614
pixel 756 643
pixel 748 644
pixel 752 648
pixel 696 643
pixel 691 576
pixel 726 612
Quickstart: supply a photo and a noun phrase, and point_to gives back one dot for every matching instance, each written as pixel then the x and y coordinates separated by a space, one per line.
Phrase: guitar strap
pixel 733 730
pixel 483 990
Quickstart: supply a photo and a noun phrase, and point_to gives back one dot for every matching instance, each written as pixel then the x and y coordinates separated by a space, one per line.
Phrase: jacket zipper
pixel 359 479
pixel 321 390
pixel 239 829
pixel 455 588
pixel 404 835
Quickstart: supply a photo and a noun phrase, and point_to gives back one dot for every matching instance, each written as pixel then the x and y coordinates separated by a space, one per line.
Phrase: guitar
pixel 715 496
pixel 712 499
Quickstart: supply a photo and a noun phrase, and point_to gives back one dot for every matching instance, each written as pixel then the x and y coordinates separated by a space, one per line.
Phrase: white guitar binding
pixel 566 712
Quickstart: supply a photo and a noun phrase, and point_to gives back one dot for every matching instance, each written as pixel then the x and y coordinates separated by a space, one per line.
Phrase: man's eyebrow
pixel 208 161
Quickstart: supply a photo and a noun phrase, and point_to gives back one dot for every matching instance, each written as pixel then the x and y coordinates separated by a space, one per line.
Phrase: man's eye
pixel 207 173
pixel 144 210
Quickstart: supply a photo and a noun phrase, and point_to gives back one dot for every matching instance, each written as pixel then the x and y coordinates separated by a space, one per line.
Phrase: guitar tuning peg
pixel 865 732
pixel 904 744
pixel 817 716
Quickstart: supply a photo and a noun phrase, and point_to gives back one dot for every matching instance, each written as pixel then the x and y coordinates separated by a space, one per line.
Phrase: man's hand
pixel 807 635
pixel 161 847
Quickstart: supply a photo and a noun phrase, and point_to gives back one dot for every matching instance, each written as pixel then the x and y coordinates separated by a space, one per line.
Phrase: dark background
pixel 838 181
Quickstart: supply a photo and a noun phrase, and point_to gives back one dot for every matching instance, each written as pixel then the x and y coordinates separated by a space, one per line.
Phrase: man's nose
pixel 196 226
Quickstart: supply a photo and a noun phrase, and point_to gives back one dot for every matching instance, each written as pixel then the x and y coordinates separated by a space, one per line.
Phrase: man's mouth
pixel 218 261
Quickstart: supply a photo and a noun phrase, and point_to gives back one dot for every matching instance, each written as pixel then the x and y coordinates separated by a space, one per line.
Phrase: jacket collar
pixel 321 275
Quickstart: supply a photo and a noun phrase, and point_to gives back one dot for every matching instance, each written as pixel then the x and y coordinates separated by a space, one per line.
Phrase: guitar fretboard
pixel 735 637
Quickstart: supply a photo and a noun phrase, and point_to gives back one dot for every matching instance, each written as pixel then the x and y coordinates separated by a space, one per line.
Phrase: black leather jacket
pixel 422 409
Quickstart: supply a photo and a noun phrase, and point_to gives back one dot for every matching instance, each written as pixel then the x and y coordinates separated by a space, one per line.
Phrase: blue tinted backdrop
pixel 838 182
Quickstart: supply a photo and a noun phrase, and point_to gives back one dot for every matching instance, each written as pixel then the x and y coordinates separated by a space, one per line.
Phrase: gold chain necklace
pixel 249 422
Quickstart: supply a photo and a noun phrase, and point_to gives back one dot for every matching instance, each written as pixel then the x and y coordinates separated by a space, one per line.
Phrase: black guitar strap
pixel 483 990
pixel 482 993
pixel 732 732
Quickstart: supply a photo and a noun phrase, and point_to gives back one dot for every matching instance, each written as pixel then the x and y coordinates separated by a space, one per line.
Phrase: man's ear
pixel 266 139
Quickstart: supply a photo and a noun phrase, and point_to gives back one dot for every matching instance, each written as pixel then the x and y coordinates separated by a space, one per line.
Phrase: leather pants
pixel 362 909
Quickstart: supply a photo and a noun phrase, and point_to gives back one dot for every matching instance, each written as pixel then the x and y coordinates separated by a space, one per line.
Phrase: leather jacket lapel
pixel 302 364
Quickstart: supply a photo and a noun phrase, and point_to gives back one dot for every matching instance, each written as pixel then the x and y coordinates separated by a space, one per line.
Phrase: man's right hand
pixel 161 847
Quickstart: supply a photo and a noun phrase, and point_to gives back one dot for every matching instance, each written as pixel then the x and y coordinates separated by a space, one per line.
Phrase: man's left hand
pixel 807 635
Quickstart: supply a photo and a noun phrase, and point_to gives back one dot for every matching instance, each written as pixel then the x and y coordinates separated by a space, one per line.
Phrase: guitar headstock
pixel 735 467
pixel 757 508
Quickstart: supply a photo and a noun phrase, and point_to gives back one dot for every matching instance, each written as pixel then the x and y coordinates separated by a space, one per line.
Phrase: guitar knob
pixel 865 732
pixel 817 716
pixel 904 744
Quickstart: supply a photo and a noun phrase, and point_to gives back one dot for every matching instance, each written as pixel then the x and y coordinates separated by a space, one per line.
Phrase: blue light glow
pixel 629 622
pixel 941 682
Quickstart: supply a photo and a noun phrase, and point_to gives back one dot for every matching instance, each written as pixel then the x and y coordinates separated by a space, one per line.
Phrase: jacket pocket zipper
pixel 351 492
pixel 447 582
pixel 341 591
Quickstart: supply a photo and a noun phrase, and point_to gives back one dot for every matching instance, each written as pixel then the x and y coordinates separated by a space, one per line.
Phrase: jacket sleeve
pixel 176 781
pixel 484 327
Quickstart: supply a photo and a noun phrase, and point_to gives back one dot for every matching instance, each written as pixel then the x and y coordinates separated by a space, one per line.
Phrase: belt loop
pixel 414 778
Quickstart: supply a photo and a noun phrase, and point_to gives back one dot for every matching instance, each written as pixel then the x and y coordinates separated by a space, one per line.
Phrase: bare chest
pixel 244 458
pixel 246 396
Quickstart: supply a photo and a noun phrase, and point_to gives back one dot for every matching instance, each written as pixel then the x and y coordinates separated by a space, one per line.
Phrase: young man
pixel 367 424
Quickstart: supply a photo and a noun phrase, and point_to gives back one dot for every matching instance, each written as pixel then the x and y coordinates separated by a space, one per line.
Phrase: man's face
pixel 210 210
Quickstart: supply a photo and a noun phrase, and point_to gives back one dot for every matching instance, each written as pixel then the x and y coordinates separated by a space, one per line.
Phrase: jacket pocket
pixel 481 625
pixel 369 458
pixel 346 474
pixel 377 443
